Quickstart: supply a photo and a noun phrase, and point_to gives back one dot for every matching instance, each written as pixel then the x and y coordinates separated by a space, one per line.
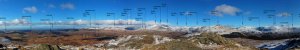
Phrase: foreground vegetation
pixel 109 39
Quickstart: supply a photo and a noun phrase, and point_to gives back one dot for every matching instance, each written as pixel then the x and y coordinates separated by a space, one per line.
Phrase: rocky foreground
pixel 95 39
pixel 119 40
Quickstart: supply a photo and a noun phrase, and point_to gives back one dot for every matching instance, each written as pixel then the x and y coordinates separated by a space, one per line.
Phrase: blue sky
pixel 227 12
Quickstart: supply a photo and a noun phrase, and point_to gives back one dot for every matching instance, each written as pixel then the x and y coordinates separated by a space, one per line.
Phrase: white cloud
pixel 19 21
pixel 151 23
pixel 31 9
pixel 226 9
pixel 283 14
pixel 83 22
pixel 79 22
pixel 54 22
pixel 46 22
pixel 155 23
pixel 69 6
pixel 59 22
pixel 215 13
pixel 105 22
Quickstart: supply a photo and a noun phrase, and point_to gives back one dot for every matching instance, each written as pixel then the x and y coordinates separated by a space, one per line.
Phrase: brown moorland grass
pixel 88 37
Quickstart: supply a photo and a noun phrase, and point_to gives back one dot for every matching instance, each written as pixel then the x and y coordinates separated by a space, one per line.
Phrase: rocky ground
pixel 85 39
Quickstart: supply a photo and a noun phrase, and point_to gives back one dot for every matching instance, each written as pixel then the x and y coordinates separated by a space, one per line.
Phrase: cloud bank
pixel 1 22
pixel 82 22
pixel 284 14
pixel 112 22
pixel 19 21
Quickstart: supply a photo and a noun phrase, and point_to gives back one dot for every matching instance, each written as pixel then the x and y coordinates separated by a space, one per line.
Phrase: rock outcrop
pixel 46 47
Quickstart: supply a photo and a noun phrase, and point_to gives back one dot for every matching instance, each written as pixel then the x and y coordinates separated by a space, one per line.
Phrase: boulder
pixel 55 47
pixel 1 46
pixel 46 47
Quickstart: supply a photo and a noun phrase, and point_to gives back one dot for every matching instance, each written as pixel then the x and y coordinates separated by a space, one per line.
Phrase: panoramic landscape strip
pixel 149 25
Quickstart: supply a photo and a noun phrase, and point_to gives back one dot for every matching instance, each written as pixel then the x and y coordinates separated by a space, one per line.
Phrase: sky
pixel 194 12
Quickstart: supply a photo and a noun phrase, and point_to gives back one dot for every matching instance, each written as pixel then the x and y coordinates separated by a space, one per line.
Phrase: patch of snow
pixel 116 42
pixel 160 27
pixel 160 39
pixel 209 46
pixel 4 40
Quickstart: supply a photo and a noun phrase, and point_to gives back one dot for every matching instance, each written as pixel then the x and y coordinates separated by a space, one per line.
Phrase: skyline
pixel 195 12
